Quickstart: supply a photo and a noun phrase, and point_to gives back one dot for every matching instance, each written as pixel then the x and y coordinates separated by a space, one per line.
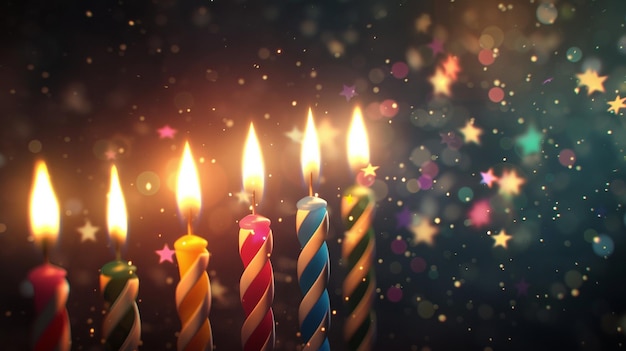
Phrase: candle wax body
pixel 120 285
pixel 52 326
pixel 313 271
pixel 193 294
pixel 256 287
pixel 358 250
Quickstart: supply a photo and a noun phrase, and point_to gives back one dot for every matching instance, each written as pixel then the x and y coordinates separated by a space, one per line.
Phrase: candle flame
pixel 44 208
pixel 117 221
pixel 310 155
pixel 358 148
pixel 188 185
pixel 253 165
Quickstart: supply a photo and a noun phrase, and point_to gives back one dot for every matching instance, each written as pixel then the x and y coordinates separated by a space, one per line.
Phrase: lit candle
pixel 256 287
pixel 118 280
pixel 51 289
pixel 193 292
pixel 313 261
pixel 359 245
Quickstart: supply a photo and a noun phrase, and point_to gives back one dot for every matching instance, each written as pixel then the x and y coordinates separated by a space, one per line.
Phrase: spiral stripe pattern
pixel 196 331
pixel 256 288
pixel 122 325
pixel 313 272
pixel 51 330
pixel 358 251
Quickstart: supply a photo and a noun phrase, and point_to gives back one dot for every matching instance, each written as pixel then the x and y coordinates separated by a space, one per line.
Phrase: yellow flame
pixel 188 185
pixel 117 221
pixel 358 146
pixel 44 208
pixel 310 155
pixel 253 165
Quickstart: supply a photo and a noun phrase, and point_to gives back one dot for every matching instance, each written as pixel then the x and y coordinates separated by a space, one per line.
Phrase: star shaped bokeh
pixel 348 92
pixel 88 231
pixel 617 104
pixel 591 80
pixel 165 254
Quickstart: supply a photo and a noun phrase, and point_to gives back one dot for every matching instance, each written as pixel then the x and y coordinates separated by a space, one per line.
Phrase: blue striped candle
pixel 313 271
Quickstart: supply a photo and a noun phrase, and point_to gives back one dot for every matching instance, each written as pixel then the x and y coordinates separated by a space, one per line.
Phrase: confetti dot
pixel 398 246
pixel 496 94
pixel 394 294
pixel 388 108
pixel 485 57
pixel 603 245
pixel 400 70
pixel 148 183
pixel 567 157
pixel 574 54
pixel 547 13
pixel 418 265
pixel 466 194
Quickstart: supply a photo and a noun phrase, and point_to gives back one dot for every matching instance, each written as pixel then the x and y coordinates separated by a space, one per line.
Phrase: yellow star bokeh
pixel 369 170
pixel 471 133
pixel 441 83
pixel 424 231
pixel 510 183
pixel 617 104
pixel 502 239
pixel 591 80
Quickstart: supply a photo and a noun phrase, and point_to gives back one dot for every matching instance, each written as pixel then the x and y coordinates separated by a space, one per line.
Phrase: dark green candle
pixel 119 285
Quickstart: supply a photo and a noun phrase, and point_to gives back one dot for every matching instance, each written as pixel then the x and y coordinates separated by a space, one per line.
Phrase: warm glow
pixel 358 147
pixel 253 165
pixel 188 185
pixel 116 210
pixel 44 208
pixel 310 156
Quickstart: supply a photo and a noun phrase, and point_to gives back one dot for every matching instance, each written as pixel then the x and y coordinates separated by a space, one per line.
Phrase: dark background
pixel 78 79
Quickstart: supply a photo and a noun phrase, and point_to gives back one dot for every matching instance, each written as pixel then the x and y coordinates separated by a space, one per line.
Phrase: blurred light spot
pixel 73 206
pixel 34 146
pixel 3 227
pixel 395 267
pixel 394 294
pixel 400 70
pixel 603 245
pixel 567 157
pixel 485 57
pixel 466 194
pixel 547 13
pixel 573 279
pixel 389 108
pixel 496 94
pixel 418 265
pixel 398 246
pixel 425 309
pixel 264 53
pixel 574 54
pixel 148 183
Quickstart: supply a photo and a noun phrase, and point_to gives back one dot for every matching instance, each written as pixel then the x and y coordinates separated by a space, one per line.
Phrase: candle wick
pixel 118 251
pixel 189 227
pixel 44 249
pixel 253 202
pixel 311 184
